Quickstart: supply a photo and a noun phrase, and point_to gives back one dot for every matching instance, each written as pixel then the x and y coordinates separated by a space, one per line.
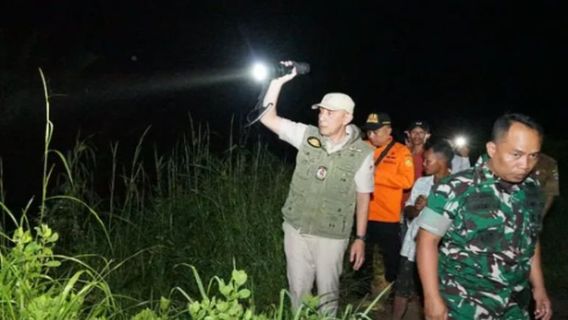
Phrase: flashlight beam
pixel 126 87
pixel 259 72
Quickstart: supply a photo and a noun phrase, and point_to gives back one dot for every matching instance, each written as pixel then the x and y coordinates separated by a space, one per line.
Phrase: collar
pixel 484 174
pixel 386 144
pixel 351 135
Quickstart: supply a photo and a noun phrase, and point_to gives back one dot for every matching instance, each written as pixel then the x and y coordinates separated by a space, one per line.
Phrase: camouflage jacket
pixel 489 228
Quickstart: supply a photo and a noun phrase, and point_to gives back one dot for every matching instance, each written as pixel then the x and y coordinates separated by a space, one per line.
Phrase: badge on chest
pixel 321 173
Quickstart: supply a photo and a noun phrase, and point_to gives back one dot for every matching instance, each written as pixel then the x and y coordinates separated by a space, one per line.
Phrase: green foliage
pixel 190 206
pixel 149 314
pixel 234 303
pixel 28 291
pixel 230 305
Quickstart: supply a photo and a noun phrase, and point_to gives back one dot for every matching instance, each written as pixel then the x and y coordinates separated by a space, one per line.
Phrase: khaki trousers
pixel 310 258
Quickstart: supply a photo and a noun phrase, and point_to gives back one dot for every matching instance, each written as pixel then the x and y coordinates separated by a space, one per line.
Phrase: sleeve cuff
pixel 433 222
pixel 291 132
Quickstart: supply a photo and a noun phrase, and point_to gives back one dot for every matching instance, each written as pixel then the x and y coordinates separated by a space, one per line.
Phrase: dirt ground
pixel 414 312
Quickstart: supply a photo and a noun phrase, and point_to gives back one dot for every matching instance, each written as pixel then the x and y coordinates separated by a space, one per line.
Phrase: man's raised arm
pixel 271 119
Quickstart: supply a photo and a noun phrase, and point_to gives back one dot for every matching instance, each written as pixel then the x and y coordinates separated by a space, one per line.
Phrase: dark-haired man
pixel 417 134
pixel 437 162
pixel 478 253
pixel 394 172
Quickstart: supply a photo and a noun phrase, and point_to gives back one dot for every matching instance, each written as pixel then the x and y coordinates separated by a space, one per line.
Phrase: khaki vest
pixel 322 193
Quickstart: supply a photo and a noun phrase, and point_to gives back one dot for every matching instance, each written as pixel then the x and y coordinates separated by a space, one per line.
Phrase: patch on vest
pixel 314 142
pixel 408 162
pixel 321 173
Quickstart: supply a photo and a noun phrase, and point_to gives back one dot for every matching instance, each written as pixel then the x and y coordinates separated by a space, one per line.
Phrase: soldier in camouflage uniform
pixel 478 252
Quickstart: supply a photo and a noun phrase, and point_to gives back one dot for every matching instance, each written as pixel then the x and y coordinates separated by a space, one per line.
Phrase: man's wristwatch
pixel 361 237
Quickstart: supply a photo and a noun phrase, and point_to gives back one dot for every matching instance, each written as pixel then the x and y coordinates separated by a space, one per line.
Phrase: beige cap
pixel 336 101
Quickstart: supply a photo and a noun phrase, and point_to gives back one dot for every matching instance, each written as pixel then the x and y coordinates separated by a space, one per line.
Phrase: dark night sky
pixel 470 60
pixel 116 67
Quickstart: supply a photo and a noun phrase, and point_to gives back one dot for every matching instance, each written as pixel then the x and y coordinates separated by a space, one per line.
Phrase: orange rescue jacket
pixel 393 174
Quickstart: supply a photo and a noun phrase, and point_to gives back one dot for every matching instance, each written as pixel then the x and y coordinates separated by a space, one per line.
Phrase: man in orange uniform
pixel 394 172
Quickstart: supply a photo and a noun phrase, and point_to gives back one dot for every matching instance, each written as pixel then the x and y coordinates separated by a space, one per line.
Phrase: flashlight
pixel 460 141
pixel 261 71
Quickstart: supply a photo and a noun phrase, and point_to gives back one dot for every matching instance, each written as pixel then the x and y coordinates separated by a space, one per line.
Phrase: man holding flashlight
pixel 332 180
pixel 478 251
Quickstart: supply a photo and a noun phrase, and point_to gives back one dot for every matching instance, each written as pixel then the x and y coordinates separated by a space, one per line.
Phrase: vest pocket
pixel 338 217
pixel 343 181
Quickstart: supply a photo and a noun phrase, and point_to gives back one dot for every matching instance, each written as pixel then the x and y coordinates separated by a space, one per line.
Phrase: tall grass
pixel 161 210
pixel 189 206
pixel 29 291
pixel 28 288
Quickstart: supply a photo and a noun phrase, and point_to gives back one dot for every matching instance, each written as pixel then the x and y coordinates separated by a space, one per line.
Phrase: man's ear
pixel 491 148
pixel 347 118
pixel 389 130
pixel 427 136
